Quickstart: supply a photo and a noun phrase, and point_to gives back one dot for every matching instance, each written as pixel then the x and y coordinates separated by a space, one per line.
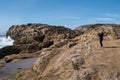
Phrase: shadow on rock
pixel 8 51
pixel 111 47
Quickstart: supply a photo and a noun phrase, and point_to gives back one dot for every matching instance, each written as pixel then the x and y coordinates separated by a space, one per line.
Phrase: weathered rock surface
pixel 39 32
pixel 77 63
pixel 66 54
pixel 37 36
pixel 111 31
pixel 15 57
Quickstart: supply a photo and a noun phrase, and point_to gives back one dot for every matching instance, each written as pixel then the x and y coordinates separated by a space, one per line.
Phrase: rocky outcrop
pixel 17 57
pixel 38 32
pixel 66 54
pixel 37 36
pixel 81 62
pixel 9 50
pixel 111 31
pixel 34 37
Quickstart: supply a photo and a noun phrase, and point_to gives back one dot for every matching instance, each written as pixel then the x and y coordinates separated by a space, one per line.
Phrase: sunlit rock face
pixel 34 37
pixel 84 60
pixel 34 30
pixel 66 54
pixel 111 31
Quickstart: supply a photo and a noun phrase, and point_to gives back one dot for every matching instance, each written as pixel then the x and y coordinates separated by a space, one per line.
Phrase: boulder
pixel 9 50
pixel 34 37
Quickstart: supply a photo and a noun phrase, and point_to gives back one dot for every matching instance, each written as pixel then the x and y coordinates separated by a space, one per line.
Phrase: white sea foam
pixel 5 41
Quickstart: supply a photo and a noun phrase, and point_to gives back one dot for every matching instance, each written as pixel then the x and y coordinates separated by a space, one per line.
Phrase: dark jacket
pixel 101 35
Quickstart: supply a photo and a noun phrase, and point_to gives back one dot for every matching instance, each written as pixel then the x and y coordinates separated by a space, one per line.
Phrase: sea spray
pixel 5 41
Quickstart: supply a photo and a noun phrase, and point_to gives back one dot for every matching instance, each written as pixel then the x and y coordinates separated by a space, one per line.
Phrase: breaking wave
pixel 5 41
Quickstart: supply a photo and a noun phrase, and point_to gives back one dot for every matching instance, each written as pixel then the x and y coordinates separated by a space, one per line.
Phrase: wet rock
pixel 17 57
pixel 9 50
pixel 2 63
pixel 6 78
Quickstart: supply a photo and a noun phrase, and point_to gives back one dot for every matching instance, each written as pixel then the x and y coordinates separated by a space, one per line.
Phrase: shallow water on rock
pixel 10 69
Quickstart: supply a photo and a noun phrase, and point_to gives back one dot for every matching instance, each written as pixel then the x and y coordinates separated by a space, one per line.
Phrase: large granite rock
pixel 111 31
pixel 34 37
pixel 69 54
pixel 77 63
pixel 38 32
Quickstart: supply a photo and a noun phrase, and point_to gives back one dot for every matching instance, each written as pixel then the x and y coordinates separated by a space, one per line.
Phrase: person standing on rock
pixel 100 35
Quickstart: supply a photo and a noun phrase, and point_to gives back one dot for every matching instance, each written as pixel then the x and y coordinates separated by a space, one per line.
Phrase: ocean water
pixel 5 41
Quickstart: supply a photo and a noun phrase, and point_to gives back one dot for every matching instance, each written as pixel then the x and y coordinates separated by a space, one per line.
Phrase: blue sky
pixel 69 13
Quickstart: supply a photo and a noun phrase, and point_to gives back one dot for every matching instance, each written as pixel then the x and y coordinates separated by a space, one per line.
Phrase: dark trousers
pixel 101 44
